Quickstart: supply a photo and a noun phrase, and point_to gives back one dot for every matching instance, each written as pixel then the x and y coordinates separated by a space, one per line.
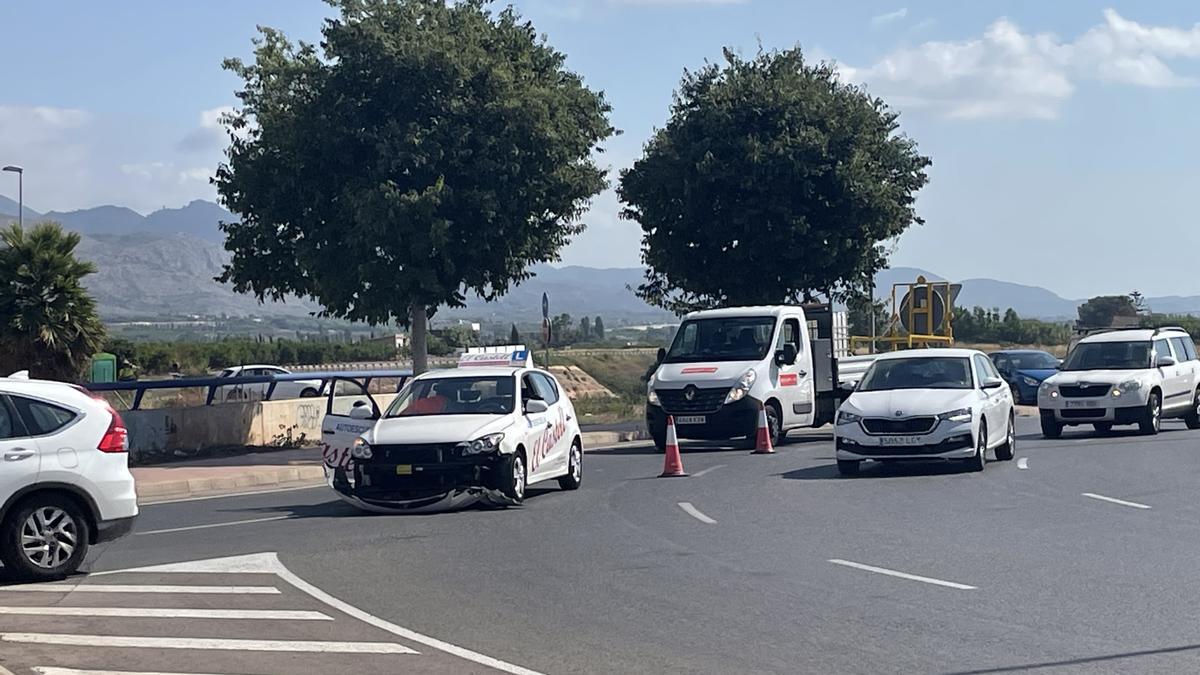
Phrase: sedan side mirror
pixel 535 407
pixel 1166 362
pixel 993 383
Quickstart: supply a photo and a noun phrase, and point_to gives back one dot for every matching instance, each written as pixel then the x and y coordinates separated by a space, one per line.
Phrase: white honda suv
pixel 1134 376
pixel 64 477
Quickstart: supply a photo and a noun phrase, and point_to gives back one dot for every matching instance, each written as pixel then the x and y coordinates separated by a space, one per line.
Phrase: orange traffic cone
pixel 762 444
pixel 673 466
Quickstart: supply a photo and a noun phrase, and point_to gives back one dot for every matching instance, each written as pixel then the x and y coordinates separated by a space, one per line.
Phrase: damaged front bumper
pixel 382 488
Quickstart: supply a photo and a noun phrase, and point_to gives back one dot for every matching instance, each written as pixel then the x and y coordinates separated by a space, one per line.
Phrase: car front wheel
pixel 574 477
pixel 45 538
pixel 1050 426
pixel 1152 416
pixel 848 467
pixel 977 461
pixel 515 478
pixel 1005 452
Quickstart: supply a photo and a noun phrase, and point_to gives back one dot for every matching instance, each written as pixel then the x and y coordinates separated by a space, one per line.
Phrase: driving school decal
pixel 546 441
pixel 339 457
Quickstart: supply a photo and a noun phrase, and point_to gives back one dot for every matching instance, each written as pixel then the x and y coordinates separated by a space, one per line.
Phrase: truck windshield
pixel 740 338
pixel 455 396
pixel 930 372
pixel 1109 356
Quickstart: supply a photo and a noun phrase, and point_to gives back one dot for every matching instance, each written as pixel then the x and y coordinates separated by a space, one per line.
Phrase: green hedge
pixel 154 358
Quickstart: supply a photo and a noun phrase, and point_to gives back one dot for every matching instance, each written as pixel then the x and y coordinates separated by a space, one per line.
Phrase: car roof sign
pixel 516 356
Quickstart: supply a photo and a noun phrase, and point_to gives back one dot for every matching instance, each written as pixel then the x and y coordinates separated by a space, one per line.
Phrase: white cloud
pixel 1007 72
pixel 883 19
pixel 210 134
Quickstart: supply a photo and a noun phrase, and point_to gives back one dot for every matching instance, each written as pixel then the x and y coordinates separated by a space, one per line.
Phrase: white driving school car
pixel 927 404
pixel 483 431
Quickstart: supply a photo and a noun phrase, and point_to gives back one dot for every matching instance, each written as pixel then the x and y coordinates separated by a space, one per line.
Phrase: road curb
pixel 284 476
pixel 600 439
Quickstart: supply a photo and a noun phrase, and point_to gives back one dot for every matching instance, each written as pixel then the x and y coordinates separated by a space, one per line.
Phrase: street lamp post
pixel 20 192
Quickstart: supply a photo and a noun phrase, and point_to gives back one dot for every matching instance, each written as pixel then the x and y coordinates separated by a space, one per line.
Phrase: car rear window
pixel 41 418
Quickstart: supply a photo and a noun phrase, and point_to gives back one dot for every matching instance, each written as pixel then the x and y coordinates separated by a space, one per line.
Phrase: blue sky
pixel 1063 135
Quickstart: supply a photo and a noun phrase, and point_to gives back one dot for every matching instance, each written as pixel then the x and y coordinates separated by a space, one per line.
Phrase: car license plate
pixel 691 419
pixel 900 440
pixel 404 469
pixel 1081 404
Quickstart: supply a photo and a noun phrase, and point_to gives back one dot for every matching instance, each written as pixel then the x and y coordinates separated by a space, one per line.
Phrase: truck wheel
pixel 848 467
pixel 1151 416
pixel 45 538
pixel 1193 418
pixel 774 425
pixel 1050 426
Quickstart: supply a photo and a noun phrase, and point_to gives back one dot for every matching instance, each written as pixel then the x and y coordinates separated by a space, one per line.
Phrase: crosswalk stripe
pixel 51 670
pixel 118 641
pixel 142 588
pixel 170 613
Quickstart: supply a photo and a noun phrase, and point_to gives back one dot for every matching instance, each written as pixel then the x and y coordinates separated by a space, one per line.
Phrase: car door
pixel 557 441
pixel 793 383
pixel 993 404
pixel 350 411
pixel 20 456
pixel 1185 354
pixel 1174 382
pixel 537 428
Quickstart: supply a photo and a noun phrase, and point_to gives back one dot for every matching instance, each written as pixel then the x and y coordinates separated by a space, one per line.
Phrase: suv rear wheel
pixel 1192 419
pixel 44 538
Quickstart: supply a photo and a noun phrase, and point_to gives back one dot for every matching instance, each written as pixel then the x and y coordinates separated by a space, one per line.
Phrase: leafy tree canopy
pixel 771 181
pixel 1099 311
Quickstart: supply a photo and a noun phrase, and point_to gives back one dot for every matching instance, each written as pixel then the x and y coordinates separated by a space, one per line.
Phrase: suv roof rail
pixel 1163 329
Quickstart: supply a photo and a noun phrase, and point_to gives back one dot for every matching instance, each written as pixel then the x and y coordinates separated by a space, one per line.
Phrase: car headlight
pixel 1127 387
pixel 847 418
pixel 652 397
pixel 1048 389
pixel 361 449
pixel 482 445
pixel 742 387
pixel 960 415
pixel 1029 381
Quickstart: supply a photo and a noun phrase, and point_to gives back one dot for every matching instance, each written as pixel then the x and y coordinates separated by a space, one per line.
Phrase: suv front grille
pixel 911 425
pixel 1080 391
pixel 675 401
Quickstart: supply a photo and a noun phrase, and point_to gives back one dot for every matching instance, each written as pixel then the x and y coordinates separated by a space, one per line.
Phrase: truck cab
pixel 725 365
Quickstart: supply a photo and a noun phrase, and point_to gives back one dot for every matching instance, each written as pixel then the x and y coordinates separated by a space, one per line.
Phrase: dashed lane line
pixel 1113 500
pixel 208 526
pixel 121 641
pixel 704 471
pixel 695 513
pixel 1022 462
pixel 52 670
pixel 903 575
pixel 141 588
pixel 169 613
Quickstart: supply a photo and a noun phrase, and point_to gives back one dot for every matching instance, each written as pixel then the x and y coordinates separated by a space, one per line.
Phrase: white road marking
pixel 121 641
pixel 902 575
pixel 170 613
pixel 1122 502
pixel 695 513
pixel 247 493
pixel 268 563
pixel 51 670
pixel 704 471
pixel 212 525
pixel 142 588
pixel 1022 462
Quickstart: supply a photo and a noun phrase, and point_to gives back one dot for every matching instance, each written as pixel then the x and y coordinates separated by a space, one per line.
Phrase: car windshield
pixel 1032 361
pixel 1109 356
pixel 927 372
pixel 742 338
pixel 455 396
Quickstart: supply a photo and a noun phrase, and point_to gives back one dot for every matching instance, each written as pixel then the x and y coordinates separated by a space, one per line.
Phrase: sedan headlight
pixel 482 445
pixel 847 418
pixel 361 449
pixel 739 390
pixel 652 397
pixel 1029 381
pixel 960 415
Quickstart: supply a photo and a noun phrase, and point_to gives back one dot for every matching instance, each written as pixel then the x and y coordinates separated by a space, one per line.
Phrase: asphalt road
pixel 753 564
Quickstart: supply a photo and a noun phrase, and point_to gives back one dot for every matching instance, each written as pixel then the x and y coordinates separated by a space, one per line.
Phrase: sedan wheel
pixel 979 460
pixel 574 477
pixel 1005 452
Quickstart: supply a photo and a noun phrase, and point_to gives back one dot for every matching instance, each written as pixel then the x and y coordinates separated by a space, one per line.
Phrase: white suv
pixel 1124 377
pixel 64 477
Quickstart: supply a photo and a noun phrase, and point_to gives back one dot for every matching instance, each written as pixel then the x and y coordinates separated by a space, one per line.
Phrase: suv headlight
pixel 960 415
pixel 1126 387
pixel 1029 381
pixel 361 449
pixel 847 418
pixel 739 390
pixel 482 445
pixel 1048 389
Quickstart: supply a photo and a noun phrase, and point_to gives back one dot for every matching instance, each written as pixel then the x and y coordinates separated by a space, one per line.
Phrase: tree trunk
pixel 420 330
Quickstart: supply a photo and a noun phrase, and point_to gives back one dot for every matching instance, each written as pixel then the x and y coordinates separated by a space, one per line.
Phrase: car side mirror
pixel 362 412
pixel 993 383
pixel 535 407
pixel 1166 362
pixel 660 355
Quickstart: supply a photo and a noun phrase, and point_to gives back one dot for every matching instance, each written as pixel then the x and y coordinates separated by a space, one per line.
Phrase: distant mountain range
pixel 163 264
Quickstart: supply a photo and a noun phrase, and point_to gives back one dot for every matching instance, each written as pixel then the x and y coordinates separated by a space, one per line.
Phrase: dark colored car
pixel 1024 370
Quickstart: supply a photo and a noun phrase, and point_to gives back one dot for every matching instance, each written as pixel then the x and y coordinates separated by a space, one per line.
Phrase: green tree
pixel 771 181
pixel 1100 311
pixel 48 322
pixel 585 329
pixel 598 328
pixel 561 330
pixel 425 151
pixel 514 336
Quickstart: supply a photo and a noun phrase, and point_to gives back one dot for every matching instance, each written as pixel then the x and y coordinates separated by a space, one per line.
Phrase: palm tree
pixel 48 321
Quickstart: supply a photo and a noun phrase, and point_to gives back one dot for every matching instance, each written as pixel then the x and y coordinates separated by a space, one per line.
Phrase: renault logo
pixel 689 393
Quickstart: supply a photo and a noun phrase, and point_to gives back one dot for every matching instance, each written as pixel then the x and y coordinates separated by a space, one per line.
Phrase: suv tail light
pixel 116 438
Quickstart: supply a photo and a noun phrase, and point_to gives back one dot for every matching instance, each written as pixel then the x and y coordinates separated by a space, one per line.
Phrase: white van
pixel 725 364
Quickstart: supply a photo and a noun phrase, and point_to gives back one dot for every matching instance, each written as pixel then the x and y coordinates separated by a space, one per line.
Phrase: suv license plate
pixel 1081 404
pixel 691 419
pixel 901 440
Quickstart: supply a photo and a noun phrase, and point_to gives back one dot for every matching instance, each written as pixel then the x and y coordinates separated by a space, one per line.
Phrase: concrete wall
pixel 293 422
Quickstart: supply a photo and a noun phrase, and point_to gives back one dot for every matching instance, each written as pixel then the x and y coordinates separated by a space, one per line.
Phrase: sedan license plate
pixel 900 440
pixel 1081 404
pixel 691 419
pixel 404 469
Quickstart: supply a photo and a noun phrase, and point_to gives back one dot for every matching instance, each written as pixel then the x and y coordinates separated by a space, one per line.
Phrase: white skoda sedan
pixel 927 404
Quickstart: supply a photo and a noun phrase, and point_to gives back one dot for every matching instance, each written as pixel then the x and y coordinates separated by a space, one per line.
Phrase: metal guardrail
pixel 212 384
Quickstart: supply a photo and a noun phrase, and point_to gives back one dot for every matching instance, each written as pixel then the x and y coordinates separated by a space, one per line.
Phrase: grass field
pixel 622 371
